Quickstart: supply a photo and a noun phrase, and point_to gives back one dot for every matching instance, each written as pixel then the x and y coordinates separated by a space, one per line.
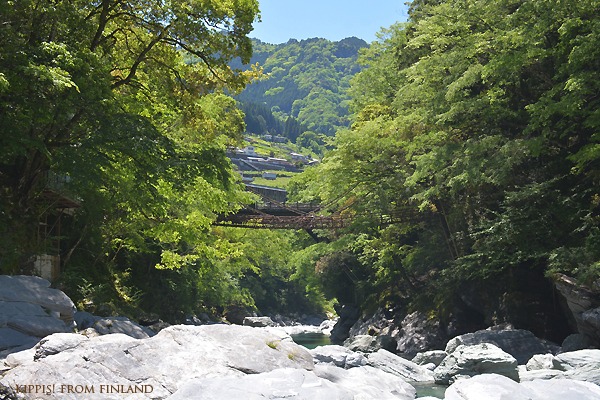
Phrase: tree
pixel 116 81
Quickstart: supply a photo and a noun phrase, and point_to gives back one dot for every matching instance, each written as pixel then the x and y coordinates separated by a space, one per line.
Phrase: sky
pixel 330 19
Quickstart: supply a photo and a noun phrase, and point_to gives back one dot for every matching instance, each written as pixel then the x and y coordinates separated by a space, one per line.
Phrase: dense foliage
pixel 477 130
pixel 306 80
pixel 123 104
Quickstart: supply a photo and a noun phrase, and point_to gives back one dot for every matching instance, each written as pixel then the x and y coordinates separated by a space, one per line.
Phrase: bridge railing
pixel 304 208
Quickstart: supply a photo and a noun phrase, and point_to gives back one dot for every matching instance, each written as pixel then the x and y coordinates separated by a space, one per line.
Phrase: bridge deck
pixel 284 222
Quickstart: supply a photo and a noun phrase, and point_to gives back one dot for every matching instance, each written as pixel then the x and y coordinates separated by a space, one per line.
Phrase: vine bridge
pixel 274 214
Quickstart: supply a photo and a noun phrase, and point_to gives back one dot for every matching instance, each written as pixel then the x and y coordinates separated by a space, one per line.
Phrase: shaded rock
pixel 337 355
pixel 37 325
pixel 592 318
pixel 374 324
pixel 12 339
pixel 110 325
pixel 468 361
pixel 576 341
pixel 396 365
pixel 166 361
pixel 36 290
pixel 497 387
pixel 84 319
pixel 582 304
pixel 370 344
pixel 258 322
pixel 519 343
pixel 540 361
pixel 418 333
pixel 159 326
pixel 236 315
pixel 349 314
pixel 30 310
pixel 430 357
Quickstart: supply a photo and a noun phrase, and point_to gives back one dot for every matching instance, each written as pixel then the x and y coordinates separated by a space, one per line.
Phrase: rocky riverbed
pixel 232 362
pixel 113 358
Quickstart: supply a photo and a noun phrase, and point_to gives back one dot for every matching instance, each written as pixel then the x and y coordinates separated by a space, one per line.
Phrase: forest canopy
pixel 479 123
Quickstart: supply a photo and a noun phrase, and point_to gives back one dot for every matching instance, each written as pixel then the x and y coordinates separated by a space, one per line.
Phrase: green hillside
pixel 306 80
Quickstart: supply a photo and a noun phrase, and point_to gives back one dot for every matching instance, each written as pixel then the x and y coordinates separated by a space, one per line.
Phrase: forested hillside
pixel 306 80
pixel 478 126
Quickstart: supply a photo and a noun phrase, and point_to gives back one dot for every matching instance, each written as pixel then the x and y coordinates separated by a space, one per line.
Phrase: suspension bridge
pixel 272 213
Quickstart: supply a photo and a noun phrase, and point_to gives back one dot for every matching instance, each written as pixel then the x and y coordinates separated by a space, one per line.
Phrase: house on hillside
pixel 250 151
pixel 297 157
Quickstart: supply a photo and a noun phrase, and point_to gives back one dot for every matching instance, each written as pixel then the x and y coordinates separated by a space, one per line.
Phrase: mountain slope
pixel 306 80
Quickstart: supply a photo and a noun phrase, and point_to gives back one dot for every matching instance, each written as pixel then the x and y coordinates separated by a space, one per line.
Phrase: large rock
pixel 349 314
pixel 324 383
pixel 418 332
pixel 57 343
pixel 110 325
pixel 36 290
pixel 393 364
pixel 540 361
pixel 563 389
pixel 258 322
pixel 338 356
pixel 468 361
pixel 370 344
pixel 367 382
pixel 538 374
pixel 576 341
pixel 583 304
pixel 374 324
pixel 489 387
pixel 12 340
pixel 577 359
pixel 583 365
pixel 592 318
pixel 519 343
pixel 434 357
pixel 277 384
pixel 29 310
pixel 164 362
pixel 497 387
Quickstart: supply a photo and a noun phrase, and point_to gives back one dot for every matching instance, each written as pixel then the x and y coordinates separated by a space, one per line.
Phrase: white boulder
pixel 396 365
pixel 468 361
